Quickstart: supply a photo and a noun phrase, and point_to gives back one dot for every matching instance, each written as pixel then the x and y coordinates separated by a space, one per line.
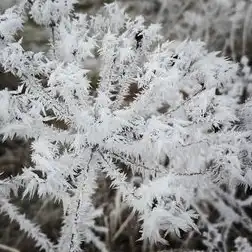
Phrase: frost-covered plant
pixel 242 244
pixel 177 130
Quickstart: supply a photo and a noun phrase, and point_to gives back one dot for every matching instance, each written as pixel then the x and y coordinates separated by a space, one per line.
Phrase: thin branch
pixel 246 29
pixel 79 201
pixel 151 169
pixel 184 102
pixel 124 225
pixel 7 248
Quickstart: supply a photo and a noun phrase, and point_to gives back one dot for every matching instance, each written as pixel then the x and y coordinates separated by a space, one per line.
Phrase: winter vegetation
pixel 222 24
pixel 166 125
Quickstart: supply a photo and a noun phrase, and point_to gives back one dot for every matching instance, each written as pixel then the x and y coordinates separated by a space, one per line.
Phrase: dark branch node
pixel 154 203
pixel 139 38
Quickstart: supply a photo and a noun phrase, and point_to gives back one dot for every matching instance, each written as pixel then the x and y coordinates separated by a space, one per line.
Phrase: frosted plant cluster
pixel 183 131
